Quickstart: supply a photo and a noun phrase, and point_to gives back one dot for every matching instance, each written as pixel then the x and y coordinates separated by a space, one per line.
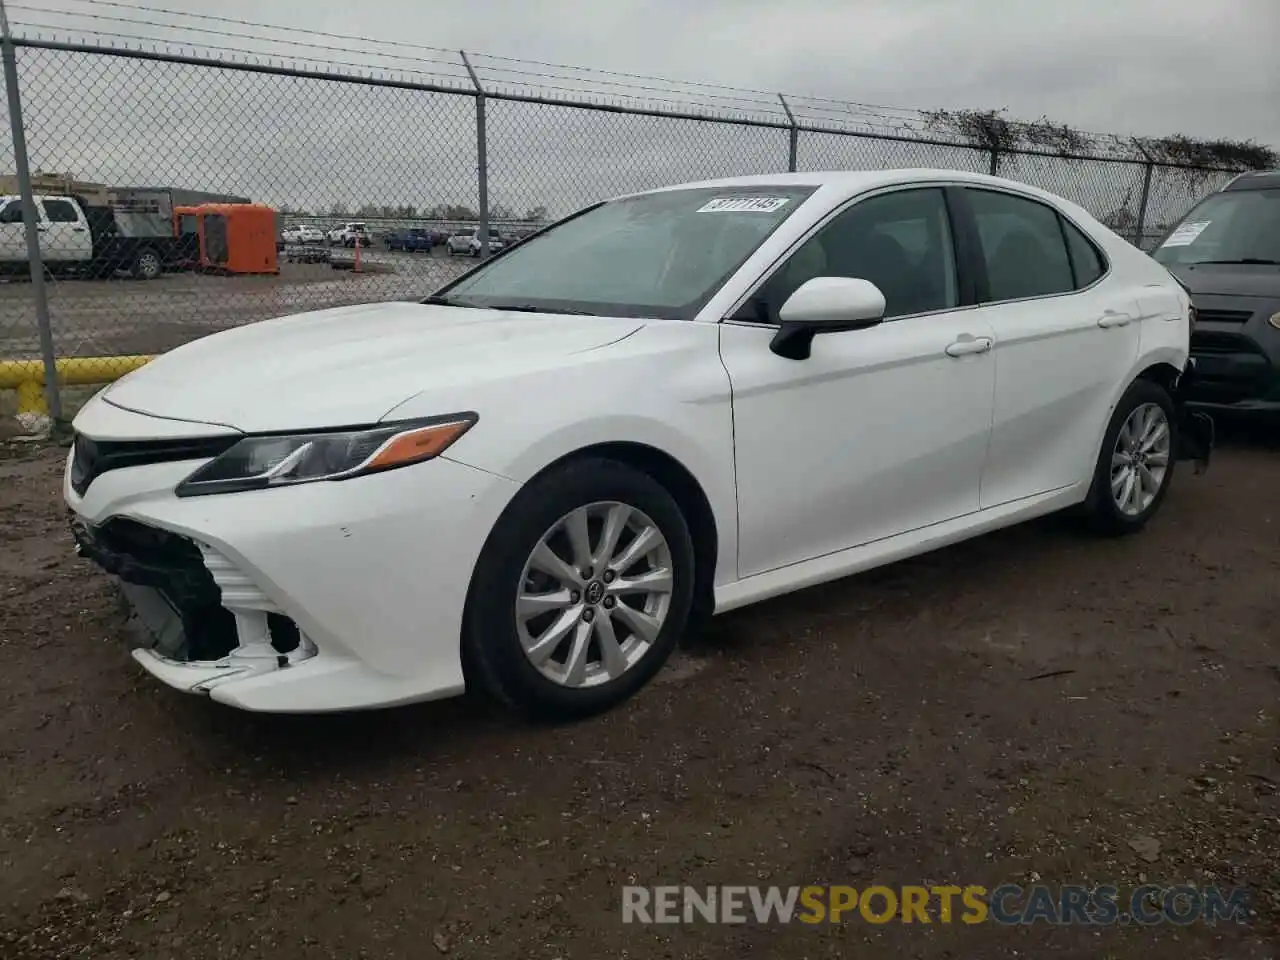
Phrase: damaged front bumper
pixel 196 620
pixel 316 598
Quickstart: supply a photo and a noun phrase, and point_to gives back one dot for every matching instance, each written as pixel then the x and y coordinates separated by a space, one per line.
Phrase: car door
pixel 881 430
pixel 65 236
pixel 13 238
pixel 1067 333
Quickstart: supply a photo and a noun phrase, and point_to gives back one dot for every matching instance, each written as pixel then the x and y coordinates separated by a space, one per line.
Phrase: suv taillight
pixel 1192 316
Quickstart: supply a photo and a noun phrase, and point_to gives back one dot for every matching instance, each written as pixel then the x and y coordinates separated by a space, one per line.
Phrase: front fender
pixel 702 445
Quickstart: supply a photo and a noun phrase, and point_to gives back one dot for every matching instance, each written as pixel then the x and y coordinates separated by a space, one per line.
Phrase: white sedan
pixel 673 404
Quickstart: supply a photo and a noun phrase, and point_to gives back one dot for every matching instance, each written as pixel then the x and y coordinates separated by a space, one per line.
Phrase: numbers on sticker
pixel 744 205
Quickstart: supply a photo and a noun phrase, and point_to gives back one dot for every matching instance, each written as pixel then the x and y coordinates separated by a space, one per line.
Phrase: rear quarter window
pixel 1086 259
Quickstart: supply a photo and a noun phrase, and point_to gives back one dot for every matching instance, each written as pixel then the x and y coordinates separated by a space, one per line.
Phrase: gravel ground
pixel 885 729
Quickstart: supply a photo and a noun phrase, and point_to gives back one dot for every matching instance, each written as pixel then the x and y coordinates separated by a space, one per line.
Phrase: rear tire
pixel 589 633
pixel 1135 465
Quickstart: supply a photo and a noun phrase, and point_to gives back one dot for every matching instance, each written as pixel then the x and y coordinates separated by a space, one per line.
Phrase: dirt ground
pixel 886 729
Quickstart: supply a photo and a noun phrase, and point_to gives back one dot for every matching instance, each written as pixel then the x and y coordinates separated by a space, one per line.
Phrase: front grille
pixel 92 458
pixel 1223 316
pixel 1205 342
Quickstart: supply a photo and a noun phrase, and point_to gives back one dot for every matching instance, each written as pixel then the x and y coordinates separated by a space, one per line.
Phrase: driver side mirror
pixel 825 305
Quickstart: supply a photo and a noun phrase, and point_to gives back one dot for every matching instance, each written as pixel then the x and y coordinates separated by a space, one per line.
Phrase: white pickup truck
pixel 91 240
pixel 65 238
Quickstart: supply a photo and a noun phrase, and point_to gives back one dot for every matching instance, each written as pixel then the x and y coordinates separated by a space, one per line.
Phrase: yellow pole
pixel 27 377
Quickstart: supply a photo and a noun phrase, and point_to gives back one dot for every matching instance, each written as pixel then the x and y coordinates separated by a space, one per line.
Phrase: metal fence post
pixel 30 219
pixel 795 135
pixel 1140 228
pixel 482 159
pixel 995 162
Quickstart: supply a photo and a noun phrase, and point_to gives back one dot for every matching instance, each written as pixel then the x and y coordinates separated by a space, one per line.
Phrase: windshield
pixel 656 255
pixel 1239 226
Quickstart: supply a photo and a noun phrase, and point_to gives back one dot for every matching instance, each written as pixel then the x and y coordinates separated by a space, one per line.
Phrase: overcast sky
pixel 1152 67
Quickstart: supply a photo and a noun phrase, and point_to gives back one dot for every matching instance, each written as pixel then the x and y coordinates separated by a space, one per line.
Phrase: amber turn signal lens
pixel 421 443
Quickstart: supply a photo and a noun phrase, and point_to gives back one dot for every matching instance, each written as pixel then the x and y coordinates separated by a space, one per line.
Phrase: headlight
pixel 1274 320
pixel 256 463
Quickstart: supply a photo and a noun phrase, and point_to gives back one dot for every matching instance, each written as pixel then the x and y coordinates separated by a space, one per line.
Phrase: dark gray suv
pixel 1226 252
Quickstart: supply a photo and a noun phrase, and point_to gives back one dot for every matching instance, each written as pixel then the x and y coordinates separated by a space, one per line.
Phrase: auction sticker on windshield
pixel 744 205
pixel 1186 234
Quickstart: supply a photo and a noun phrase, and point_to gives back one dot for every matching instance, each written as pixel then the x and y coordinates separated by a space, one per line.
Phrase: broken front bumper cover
pixel 370 574
pixel 176 590
pixel 254 661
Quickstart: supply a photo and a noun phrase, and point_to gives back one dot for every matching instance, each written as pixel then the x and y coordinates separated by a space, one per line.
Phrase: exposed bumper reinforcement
pixel 1196 432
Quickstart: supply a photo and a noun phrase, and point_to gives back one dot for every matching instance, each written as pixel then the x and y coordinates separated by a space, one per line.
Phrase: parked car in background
pixel 412 239
pixel 348 233
pixel 1226 252
pixel 467 243
pixel 459 242
pixel 303 233
pixel 674 403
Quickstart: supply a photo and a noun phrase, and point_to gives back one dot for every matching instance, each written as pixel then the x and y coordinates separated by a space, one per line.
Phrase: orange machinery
pixel 228 237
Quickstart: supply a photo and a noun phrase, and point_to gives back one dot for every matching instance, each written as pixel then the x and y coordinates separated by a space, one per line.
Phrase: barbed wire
pixel 649 78
pixel 583 84
pixel 770 109
pixel 551 75
pixel 462 83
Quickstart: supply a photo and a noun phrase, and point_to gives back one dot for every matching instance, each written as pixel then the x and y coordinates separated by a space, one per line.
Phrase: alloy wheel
pixel 1140 460
pixel 594 594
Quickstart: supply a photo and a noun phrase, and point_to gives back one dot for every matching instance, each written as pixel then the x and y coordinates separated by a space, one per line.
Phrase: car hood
pixel 1229 279
pixel 351 365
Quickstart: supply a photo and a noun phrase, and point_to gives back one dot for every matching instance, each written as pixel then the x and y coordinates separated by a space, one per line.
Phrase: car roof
pixel 839 184
pixel 1255 180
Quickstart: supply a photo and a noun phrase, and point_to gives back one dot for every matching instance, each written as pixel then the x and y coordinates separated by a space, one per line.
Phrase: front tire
pixel 581 592
pixel 1135 465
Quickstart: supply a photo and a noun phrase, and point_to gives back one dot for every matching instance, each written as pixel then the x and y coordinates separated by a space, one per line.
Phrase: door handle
pixel 78 229
pixel 967 345
pixel 1113 319
pixel 41 227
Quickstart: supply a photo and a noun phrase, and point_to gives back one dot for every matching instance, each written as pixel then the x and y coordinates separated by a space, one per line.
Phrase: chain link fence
pixel 177 195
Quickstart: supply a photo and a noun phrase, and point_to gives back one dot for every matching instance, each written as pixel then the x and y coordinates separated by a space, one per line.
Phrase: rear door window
pixel 1022 244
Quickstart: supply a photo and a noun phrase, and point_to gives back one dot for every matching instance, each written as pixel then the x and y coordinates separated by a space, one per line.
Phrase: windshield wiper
pixel 439 301
pixel 1259 261
pixel 530 308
